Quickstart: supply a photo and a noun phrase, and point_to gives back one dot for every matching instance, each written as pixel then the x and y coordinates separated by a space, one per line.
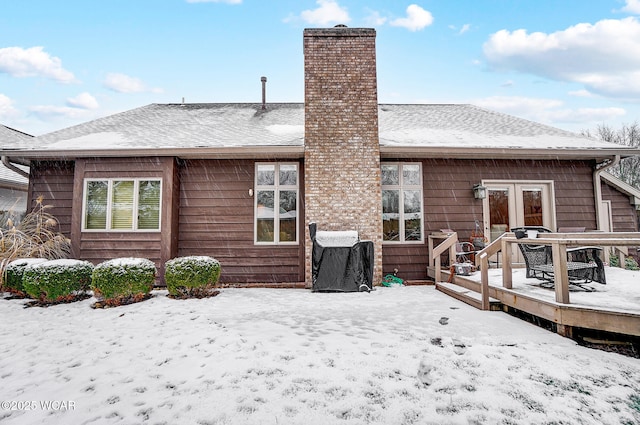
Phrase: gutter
pixel 597 187
pixel 7 163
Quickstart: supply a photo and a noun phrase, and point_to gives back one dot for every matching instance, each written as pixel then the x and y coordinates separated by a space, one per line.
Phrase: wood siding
pixel 207 210
pixel 100 246
pixel 217 219
pixel 53 181
pixel 623 214
pixel 449 201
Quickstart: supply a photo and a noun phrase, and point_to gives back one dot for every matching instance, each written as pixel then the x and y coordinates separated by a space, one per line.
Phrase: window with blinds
pixel 122 204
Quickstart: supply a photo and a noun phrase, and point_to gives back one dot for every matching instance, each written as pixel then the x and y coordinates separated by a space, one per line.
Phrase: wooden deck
pixel 525 295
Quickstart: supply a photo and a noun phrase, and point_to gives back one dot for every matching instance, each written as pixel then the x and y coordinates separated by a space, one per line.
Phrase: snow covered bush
pixel 194 276
pixel 57 280
pixel 123 280
pixel 12 281
pixel 35 236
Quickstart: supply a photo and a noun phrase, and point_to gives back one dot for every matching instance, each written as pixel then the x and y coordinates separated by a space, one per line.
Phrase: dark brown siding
pixel 53 182
pixel 449 201
pixel 623 214
pixel 100 246
pixel 216 219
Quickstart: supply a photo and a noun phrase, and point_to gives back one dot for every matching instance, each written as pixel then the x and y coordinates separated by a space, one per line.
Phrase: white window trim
pixel 401 187
pixel 136 186
pixel 276 189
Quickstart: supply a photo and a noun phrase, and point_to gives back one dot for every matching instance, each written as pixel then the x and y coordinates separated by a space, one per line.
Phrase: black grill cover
pixel 341 268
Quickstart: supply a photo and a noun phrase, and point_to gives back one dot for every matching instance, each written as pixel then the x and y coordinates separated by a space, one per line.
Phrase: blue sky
pixel 573 64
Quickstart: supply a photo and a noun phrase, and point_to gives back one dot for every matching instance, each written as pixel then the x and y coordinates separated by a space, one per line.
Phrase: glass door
pixel 512 204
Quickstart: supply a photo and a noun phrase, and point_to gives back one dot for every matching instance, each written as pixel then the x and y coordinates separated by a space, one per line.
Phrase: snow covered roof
pixel 11 178
pixel 216 130
pixel 13 139
pixel 10 138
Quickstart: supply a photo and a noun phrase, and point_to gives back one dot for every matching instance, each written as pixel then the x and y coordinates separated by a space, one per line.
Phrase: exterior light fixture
pixel 479 191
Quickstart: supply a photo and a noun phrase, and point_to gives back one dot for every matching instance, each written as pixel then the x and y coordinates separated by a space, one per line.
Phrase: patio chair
pixel 583 263
pixel 465 251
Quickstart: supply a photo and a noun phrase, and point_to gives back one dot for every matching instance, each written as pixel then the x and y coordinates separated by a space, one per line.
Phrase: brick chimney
pixel 342 151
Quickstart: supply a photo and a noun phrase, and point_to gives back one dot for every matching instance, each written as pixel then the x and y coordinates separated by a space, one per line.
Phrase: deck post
pixel 560 273
pixel 484 279
pixel 507 274
pixel 564 330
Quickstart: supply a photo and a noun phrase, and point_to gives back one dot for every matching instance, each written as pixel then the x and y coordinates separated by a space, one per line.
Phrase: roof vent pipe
pixel 264 92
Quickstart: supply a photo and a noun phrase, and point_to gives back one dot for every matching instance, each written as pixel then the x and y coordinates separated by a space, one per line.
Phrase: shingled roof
pixel 13 139
pixel 225 129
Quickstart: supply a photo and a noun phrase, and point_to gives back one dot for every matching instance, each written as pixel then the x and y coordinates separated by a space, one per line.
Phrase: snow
pixel 66 263
pixel 128 261
pixel 621 293
pixel 337 238
pixel 402 355
pixel 99 140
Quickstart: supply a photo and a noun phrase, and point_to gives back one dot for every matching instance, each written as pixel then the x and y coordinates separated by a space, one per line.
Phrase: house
pixel 14 178
pixel 242 182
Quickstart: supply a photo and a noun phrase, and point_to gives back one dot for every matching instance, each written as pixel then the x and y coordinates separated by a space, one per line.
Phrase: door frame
pixel 515 187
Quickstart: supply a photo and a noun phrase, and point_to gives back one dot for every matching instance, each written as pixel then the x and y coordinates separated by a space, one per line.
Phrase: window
pixel 402 202
pixel 276 203
pixel 121 204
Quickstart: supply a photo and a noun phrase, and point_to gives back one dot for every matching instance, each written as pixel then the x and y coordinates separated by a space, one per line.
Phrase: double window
pixel 121 204
pixel 402 202
pixel 276 203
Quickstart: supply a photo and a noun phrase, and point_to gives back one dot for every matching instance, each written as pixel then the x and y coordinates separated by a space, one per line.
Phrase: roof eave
pixel 297 151
pixel 243 152
pixel 502 153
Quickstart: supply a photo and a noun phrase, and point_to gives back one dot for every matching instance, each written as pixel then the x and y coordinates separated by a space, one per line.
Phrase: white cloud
pixel 374 19
pixel 547 111
pixel 123 83
pixel 581 93
pixel 48 112
pixel 215 1
pixel 517 105
pixel 329 11
pixel 33 62
pixel 417 19
pixel 83 101
pixel 604 57
pixel 462 30
pixel 632 6
pixel 6 107
pixel 508 83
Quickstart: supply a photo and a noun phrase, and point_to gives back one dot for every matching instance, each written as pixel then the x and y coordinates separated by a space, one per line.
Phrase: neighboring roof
pixel 11 179
pixel 246 130
pixel 13 139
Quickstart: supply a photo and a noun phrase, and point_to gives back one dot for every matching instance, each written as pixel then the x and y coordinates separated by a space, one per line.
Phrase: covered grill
pixel 341 262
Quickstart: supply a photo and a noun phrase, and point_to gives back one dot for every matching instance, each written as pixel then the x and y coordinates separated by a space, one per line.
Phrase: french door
pixel 517 203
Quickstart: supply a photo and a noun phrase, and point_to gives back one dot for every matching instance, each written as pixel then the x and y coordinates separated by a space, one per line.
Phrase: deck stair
pixel 467 295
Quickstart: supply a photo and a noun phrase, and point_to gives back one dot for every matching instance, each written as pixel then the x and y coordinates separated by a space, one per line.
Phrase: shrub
pixel 630 263
pixel 34 236
pixel 123 280
pixel 193 276
pixel 57 280
pixel 12 281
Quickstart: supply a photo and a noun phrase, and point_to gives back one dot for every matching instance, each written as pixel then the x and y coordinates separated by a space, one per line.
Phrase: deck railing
pixel 559 243
pixel 447 245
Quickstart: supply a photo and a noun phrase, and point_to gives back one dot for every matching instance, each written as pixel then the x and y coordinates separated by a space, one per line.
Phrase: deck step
pixel 467 295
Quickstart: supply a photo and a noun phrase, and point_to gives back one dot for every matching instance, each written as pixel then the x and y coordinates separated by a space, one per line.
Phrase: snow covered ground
pixel 403 355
